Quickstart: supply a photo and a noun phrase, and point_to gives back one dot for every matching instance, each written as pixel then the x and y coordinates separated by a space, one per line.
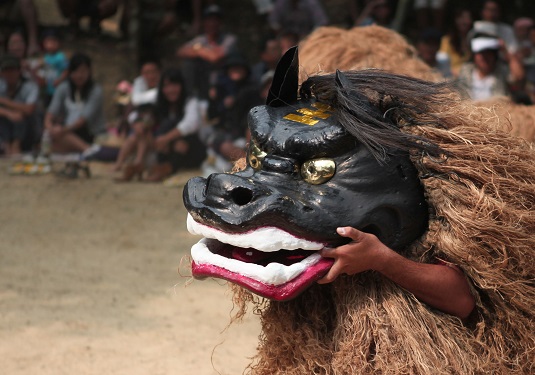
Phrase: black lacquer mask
pixel 306 176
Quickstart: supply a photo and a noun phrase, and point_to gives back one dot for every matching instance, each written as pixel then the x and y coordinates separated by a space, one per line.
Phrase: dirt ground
pixel 90 283
pixel 89 269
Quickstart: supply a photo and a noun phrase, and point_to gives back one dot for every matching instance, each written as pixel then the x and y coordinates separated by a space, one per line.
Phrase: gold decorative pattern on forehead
pixel 309 116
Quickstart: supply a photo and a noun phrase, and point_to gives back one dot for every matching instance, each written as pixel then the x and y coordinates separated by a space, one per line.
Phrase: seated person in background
pixel 54 64
pixel 202 56
pixel 427 46
pixel 270 54
pixel 491 23
pixel 179 119
pixel 522 28
pixel 28 11
pixel 455 43
pixel 16 46
pixel 487 75
pixel 96 10
pixel 144 88
pixel 287 39
pixel 376 12
pixel 75 115
pixel 142 92
pixel 230 84
pixel 139 142
pixel 298 16
pixel 19 99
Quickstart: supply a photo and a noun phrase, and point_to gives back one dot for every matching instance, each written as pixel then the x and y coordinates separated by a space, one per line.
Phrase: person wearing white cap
pixel 491 22
pixel 487 76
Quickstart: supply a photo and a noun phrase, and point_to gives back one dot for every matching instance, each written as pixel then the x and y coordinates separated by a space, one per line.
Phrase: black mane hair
pixel 374 105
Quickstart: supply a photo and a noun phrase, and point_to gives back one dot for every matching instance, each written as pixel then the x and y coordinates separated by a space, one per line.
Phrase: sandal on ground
pixel 130 172
pixel 72 169
pixel 159 172
pixel 69 171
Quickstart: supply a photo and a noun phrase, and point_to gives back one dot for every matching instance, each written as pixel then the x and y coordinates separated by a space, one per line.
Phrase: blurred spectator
pixel 525 33
pixel 225 96
pixel 157 19
pixel 142 95
pixel 231 145
pixel 523 27
pixel 488 76
pixel 28 11
pixel 455 43
pixel 16 46
pixel 287 39
pixel 19 102
pixel 427 46
pixel 202 56
pixel 54 64
pixel 75 115
pixel 96 10
pixel 491 24
pixel 376 12
pixel 145 87
pixel 298 16
pixel 179 119
pixel 530 63
pixel 430 14
pixel 138 142
pixel 270 54
pixel 263 6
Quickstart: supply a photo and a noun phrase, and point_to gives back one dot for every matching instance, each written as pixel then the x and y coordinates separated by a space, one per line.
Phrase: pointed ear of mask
pixel 283 90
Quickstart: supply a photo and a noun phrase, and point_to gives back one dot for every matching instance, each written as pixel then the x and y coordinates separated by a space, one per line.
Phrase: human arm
pixel 25 102
pixel 9 113
pixel 516 68
pixel 443 287
pixel 141 93
pixel 209 51
pixel 189 124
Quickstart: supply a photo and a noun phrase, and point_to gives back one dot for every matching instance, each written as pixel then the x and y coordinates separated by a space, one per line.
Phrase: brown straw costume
pixel 481 191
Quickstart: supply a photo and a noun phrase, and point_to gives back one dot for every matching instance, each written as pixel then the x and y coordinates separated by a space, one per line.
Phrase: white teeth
pixel 267 239
pixel 273 273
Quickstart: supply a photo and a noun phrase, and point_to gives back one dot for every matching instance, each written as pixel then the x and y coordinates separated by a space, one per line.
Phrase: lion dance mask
pixel 432 176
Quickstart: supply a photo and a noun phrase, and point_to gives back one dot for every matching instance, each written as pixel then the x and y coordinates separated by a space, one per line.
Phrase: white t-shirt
pixel 482 87
pixel 141 94
pixel 191 122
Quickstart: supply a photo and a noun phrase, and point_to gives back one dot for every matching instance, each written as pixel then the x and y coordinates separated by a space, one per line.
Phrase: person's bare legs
pixel 141 151
pixel 68 10
pixel 15 148
pixel 126 150
pixel 69 142
pixel 29 13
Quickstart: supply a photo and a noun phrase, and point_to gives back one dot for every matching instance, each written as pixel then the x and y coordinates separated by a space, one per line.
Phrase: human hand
pixel 365 252
pixel 161 143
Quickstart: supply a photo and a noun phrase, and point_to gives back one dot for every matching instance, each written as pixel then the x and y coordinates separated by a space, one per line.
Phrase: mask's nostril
pixel 241 196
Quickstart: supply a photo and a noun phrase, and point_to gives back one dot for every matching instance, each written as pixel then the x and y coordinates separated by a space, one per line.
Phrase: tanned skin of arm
pixel 442 287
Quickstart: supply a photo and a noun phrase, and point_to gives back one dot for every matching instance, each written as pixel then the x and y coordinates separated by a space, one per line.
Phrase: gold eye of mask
pixel 255 157
pixel 318 171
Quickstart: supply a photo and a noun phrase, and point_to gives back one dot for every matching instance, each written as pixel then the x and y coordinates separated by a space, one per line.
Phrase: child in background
pixel 54 64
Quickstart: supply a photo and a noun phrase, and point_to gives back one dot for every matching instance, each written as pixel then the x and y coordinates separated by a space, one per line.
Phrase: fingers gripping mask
pixel 306 175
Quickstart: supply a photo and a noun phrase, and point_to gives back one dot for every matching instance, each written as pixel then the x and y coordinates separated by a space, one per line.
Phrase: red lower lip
pixel 283 292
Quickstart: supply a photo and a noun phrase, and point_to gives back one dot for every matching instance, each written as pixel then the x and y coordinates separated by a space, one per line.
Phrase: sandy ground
pixel 90 283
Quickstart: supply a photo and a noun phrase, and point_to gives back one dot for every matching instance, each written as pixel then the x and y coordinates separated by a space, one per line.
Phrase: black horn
pixel 283 90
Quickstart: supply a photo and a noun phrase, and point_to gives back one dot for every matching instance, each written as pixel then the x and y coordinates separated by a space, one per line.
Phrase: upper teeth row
pixel 266 239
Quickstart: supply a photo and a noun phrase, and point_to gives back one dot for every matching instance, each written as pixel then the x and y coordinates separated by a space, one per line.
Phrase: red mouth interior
pixel 283 292
pixel 250 255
